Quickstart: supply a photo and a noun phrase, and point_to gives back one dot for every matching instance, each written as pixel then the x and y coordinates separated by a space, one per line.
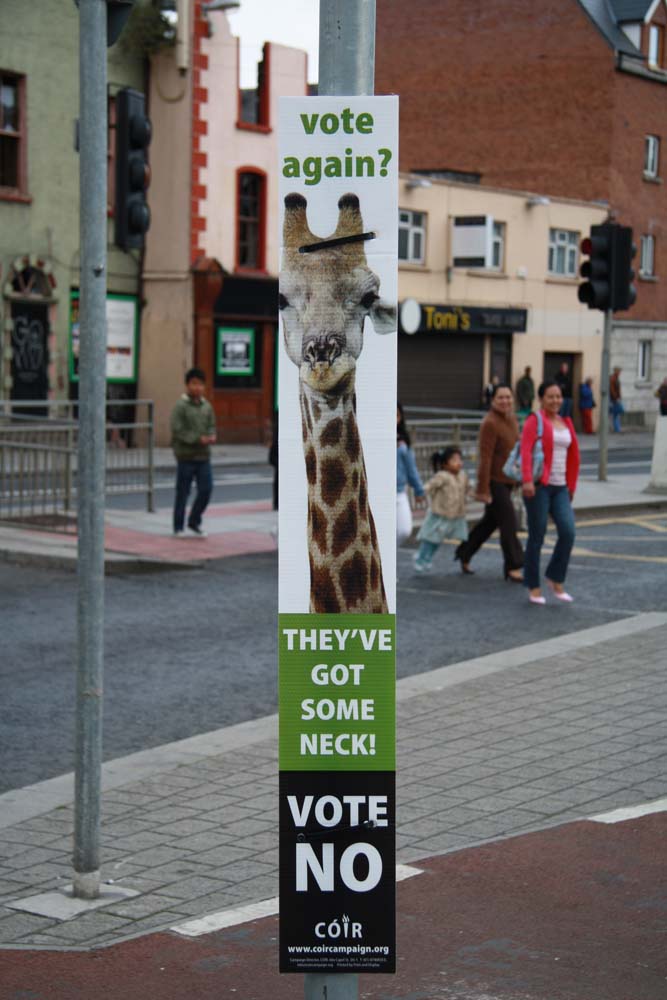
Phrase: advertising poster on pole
pixel 337 535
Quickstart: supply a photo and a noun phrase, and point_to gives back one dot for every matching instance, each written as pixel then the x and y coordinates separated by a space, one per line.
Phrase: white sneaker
pixel 422 567
pixel 179 534
pixel 197 532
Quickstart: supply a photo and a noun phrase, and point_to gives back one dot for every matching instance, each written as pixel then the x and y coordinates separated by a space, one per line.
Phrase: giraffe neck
pixel 345 566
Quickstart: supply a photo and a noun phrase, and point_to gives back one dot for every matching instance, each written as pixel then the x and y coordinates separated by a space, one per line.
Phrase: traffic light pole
pixel 603 429
pixel 91 457
pixel 347 69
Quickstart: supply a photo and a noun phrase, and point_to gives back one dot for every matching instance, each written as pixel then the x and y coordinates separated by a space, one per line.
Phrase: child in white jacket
pixel 446 492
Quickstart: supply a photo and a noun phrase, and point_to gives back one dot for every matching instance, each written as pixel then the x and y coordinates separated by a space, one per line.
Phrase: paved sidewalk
pixel 509 743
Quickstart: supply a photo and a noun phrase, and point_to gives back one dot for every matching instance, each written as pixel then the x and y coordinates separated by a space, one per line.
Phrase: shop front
pixel 447 353
pixel 235 345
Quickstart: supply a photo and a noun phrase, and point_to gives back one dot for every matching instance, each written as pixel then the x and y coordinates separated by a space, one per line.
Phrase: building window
pixel 651 156
pixel 411 236
pixel 647 256
pixel 644 361
pixel 12 134
pixel 654 46
pixel 251 225
pixel 498 246
pixel 563 252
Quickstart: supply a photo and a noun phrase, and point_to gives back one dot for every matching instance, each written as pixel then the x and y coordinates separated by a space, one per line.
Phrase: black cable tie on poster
pixel 338 241
pixel 369 824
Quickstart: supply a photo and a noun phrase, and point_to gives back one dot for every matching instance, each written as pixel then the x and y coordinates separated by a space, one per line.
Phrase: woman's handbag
pixel 512 467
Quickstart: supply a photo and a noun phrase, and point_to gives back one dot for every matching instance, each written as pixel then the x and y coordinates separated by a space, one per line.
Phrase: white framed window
pixel 411 236
pixel 654 45
pixel 563 252
pixel 498 246
pixel 644 351
pixel 647 256
pixel 651 156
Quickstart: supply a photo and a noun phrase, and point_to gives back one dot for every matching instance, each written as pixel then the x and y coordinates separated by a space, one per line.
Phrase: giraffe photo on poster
pixel 327 293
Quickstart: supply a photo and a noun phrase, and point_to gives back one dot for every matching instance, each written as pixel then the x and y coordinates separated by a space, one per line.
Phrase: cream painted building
pixel 211 261
pixel 488 285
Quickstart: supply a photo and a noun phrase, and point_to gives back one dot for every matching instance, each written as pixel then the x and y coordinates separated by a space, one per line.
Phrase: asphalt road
pixel 191 651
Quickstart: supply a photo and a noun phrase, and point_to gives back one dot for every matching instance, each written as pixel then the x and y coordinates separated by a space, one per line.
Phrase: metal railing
pixel 39 458
pixel 433 429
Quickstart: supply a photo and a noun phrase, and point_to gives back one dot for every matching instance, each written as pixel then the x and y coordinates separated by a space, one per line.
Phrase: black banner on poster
pixel 337 871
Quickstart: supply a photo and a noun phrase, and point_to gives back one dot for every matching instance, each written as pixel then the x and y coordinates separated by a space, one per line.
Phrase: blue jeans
pixel 426 552
pixel 566 408
pixel 554 500
pixel 185 473
pixel 616 409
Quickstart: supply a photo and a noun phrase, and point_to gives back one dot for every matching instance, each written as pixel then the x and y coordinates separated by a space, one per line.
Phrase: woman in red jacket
pixel 551 495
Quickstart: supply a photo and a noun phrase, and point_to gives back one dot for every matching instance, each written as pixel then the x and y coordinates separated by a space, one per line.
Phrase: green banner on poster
pixel 337 693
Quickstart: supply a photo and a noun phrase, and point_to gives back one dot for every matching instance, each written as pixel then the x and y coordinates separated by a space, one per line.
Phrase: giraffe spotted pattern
pixel 325 298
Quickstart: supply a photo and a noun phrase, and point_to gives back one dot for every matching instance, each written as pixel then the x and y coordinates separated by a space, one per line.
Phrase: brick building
pixel 566 97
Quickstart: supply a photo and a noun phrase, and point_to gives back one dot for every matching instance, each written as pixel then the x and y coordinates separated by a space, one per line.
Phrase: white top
pixel 562 441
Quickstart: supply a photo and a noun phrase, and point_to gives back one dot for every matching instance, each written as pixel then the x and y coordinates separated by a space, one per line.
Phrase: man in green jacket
pixel 192 434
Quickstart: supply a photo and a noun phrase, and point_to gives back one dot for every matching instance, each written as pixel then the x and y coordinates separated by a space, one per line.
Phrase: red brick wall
pixel 517 90
pixel 199 127
pixel 639 111
pixel 525 93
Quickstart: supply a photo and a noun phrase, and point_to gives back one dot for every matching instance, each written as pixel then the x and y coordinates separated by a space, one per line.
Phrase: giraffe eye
pixel 282 301
pixel 369 300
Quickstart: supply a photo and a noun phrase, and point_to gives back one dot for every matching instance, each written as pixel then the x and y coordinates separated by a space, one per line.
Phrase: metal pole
pixel 603 429
pixel 151 457
pixel 91 464
pixel 347 47
pixel 347 69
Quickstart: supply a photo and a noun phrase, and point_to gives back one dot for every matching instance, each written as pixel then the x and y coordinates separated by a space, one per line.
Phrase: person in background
pixel 192 434
pixel 446 491
pixel 489 388
pixel 563 380
pixel 615 402
pixel 273 458
pixel 406 474
pixel 552 495
pixel 525 393
pixel 661 395
pixel 498 433
pixel 586 404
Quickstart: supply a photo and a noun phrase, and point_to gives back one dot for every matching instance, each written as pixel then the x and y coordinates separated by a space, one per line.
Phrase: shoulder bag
pixel 512 467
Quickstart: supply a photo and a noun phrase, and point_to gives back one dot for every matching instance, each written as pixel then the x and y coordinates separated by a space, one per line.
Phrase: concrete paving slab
pixel 63 905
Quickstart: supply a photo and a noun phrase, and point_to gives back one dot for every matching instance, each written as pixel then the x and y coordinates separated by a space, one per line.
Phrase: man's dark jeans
pixel 185 473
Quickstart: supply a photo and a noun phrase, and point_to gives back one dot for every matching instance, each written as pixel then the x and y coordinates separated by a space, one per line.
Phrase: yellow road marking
pixel 645 523
pixel 588 554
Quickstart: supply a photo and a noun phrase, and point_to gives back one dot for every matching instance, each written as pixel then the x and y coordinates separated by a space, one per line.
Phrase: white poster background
pixel 121 326
pixel 376 365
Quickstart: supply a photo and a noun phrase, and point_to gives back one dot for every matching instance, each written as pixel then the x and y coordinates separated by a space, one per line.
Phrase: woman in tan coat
pixel 498 434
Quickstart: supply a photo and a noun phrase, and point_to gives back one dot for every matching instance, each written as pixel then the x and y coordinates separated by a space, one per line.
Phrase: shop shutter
pixel 444 371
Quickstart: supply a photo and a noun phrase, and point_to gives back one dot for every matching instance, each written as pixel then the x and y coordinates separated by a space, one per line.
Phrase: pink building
pixel 211 259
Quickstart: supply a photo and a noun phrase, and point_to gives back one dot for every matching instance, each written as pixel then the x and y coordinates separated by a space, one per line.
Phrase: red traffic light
pixel 586 246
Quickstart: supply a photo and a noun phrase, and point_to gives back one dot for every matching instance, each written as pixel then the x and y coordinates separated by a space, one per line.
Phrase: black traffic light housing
pixel 608 271
pixel 133 135
pixel 624 292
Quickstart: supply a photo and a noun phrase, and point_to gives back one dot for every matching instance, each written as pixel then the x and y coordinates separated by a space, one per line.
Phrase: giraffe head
pixel 326 295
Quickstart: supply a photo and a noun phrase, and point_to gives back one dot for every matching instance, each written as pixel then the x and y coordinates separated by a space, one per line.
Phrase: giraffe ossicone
pixel 325 298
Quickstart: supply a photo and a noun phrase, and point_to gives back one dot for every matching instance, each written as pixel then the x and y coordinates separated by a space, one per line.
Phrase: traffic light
pixel 623 292
pixel 608 271
pixel 133 135
pixel 596 290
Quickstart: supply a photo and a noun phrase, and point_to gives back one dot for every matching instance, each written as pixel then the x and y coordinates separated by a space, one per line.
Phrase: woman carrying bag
pixel 498 433
pixel 551 494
